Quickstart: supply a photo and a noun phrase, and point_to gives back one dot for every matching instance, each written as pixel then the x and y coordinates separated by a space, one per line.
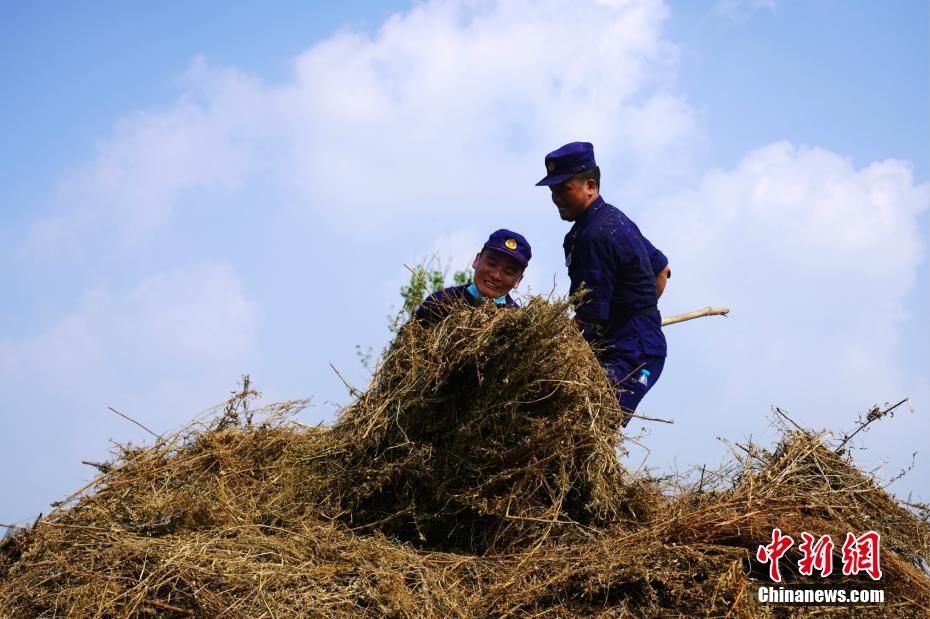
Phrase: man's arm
pixel 660 267
pixel 662 279
pixel 594 265
pixel 433 309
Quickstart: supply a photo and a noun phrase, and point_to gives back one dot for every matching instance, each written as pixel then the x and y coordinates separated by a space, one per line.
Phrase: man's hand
pixel 661 280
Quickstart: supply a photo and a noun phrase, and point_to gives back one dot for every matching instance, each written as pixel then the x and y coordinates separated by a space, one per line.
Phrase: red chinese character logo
pixel 773 552
pixel 817 555
pixel 860 554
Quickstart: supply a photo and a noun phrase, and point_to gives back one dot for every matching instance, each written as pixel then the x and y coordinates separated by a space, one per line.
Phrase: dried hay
pixel 486 432
pixel 477 476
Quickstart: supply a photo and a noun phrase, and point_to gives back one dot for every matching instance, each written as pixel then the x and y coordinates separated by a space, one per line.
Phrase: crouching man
pixel 498 269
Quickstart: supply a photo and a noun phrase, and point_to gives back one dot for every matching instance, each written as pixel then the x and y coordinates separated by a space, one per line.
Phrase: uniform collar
pixel 592 208
pixel 473 291
pixel 588 214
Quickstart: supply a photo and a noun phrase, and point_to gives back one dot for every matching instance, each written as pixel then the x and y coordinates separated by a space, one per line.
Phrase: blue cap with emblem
pixel 567 161
pixel 511 244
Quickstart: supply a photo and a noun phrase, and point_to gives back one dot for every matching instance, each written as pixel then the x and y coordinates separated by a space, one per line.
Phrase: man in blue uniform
pixel 498 269
pixel 623 272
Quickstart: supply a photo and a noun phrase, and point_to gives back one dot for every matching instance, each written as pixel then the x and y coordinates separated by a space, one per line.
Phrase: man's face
pixel 496 274
pixel 572 197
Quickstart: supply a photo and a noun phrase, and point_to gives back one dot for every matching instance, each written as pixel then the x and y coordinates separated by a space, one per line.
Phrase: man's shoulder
pixel 609 212
pixel 451 296
pixel 437 305
pixel 604 223
pixel 612 220
pixel 448 293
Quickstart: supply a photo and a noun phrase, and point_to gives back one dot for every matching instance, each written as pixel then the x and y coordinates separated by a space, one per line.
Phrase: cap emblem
pixel 511 244
pixel 550 165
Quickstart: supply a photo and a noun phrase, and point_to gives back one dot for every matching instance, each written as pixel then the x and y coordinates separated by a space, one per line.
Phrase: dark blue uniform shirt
pixel 606 252
pixel 438 305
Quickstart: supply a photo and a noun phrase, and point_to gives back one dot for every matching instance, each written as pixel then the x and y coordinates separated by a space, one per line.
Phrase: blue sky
pixel 810 72
pixel 191 192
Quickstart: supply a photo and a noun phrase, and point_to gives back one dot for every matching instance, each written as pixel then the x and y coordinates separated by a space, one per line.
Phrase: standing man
pixel 623 272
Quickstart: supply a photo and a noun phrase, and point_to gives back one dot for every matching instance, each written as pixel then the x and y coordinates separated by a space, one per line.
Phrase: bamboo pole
pixel 707 311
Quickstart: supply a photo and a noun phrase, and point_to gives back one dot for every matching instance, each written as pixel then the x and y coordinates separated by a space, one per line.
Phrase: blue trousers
pixel 625 375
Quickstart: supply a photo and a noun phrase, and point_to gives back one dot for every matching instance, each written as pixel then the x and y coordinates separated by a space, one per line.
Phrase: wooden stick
pixel 352 390
pixel 128 418
pixel 169 607
pixel 103 467
pixel 874 415
pixel 628 414
pixel 707 311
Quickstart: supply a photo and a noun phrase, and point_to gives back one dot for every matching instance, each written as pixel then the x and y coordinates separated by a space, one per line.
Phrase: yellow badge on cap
pixel 550 165
pixel 511 244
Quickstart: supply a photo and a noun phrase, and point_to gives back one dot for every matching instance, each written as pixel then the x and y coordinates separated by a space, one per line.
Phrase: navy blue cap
pixel 567 161
pixel 510 243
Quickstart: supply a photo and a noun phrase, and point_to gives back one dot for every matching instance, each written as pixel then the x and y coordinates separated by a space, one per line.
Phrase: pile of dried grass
pixel 476 477
pixel 487 432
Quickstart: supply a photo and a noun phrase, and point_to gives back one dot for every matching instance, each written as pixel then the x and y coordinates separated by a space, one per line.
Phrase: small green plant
pixel 423 282
pixel 463 277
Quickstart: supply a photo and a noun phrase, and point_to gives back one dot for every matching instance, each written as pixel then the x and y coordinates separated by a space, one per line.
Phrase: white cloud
pixel 438 101
pixel 816 259
pixel 445 98
pixel 154 163
pixel 801 236
pixel 189 327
